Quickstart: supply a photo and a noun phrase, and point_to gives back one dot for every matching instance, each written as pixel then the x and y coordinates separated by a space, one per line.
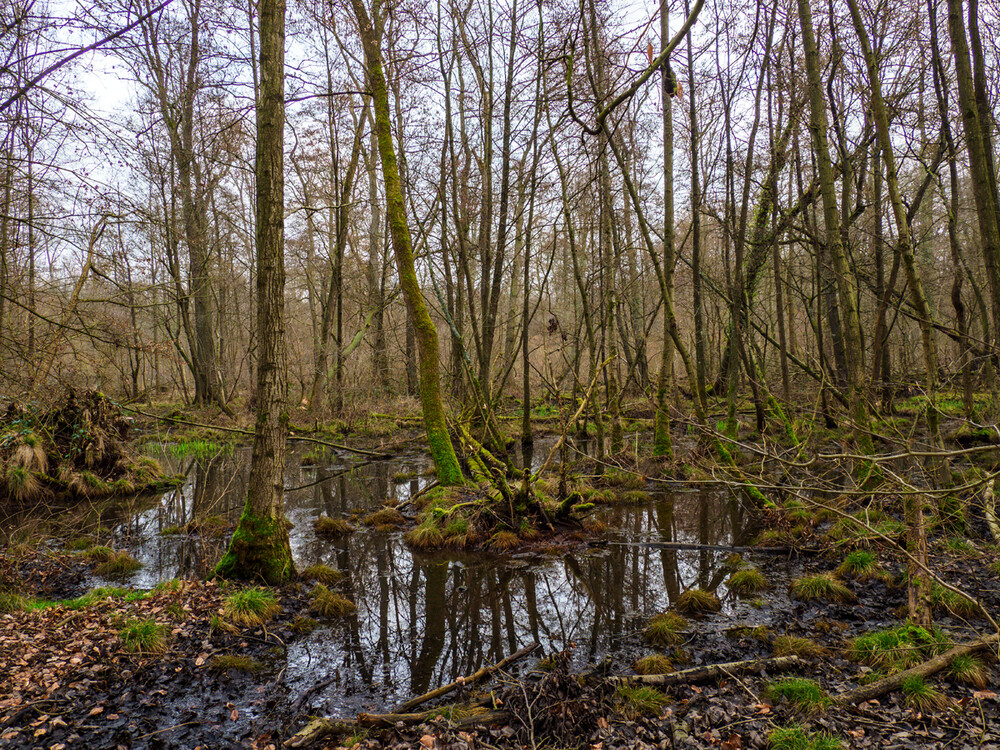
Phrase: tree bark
pixel 442 450
pixel 260 548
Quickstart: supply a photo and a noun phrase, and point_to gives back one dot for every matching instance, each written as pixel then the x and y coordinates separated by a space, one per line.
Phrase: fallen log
pixel 925 669
pixel 990 511
pixel 710 671
pixel 480 674
pixel 320 728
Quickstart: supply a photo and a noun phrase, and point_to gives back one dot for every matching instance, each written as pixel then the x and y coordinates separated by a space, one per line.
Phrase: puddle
pixel 424 620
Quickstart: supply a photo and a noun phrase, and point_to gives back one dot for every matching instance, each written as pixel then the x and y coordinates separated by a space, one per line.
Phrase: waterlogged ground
pixel 423 620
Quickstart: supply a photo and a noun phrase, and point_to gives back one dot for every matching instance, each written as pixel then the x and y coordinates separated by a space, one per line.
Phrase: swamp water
pixel 423 620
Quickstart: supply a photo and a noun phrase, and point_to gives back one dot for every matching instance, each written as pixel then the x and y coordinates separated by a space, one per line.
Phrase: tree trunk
pixel 442 450
pixel 260 547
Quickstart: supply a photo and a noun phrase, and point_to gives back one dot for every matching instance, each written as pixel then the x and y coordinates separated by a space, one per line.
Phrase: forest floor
pixel 71 674
pixel 69 679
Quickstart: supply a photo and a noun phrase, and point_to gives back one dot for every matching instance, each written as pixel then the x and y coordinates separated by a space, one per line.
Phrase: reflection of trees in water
pixel 428 620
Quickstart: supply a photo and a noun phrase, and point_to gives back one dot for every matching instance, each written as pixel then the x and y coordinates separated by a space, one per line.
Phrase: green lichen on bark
pixel 259 550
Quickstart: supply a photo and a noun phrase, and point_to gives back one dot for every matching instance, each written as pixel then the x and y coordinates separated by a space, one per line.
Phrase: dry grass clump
pixel 327 603
pixel 321 574
pixel 697 602
pixel 504 541
pixel 653 664
pixel 385 519
pixel 112 563
pixel 332 528
pixel 791 645
pixel 923 697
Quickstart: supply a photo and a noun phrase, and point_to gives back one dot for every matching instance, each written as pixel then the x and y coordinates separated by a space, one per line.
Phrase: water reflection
pixel 424 620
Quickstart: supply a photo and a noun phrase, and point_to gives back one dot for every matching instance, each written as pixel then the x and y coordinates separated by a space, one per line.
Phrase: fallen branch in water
pixel 480 674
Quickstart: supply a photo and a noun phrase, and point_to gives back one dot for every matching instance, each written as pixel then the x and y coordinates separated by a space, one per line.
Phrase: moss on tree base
pixel 259 550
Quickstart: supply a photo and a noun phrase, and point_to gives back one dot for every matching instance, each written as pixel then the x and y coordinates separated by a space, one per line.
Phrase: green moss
pixel 259 550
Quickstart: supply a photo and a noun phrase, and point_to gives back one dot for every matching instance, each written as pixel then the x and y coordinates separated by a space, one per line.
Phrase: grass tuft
pixel 328 603
pixel 321 574
pixel 860 564
pixel 235 663
pixel 251 607
pixel 822 587
pixel 332 528
pixel 11 602
pixel 795 737
pixel 800 692
pixel 922 697
pixel 504 541
pixel 791 645
pixel 748 582
pixel 111 563
pixel 427 535
pixel 969 670
pixel 897 648
pixel 959 605
pixel 697 602
pixel 640 700
pixel 665 629
pixel 653 664
pixel 385 518
pixel 144 637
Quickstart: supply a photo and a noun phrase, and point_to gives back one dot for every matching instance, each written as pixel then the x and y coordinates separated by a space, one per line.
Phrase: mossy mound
pixel 76 450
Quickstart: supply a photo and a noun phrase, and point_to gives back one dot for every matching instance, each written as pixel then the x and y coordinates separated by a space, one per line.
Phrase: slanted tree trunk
pixel 846 290
pixel 442 450
pixel 260 548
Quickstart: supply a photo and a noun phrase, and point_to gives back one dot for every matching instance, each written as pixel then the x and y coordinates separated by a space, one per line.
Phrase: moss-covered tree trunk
pixel 442 450
pixel 259 548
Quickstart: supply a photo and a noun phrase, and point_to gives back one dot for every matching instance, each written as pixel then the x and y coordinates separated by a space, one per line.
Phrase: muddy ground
pixel 67 680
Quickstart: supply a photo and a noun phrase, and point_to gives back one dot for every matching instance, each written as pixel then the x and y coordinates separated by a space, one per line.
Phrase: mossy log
pixel 925 669
pixel 710 671
pixel 319 728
